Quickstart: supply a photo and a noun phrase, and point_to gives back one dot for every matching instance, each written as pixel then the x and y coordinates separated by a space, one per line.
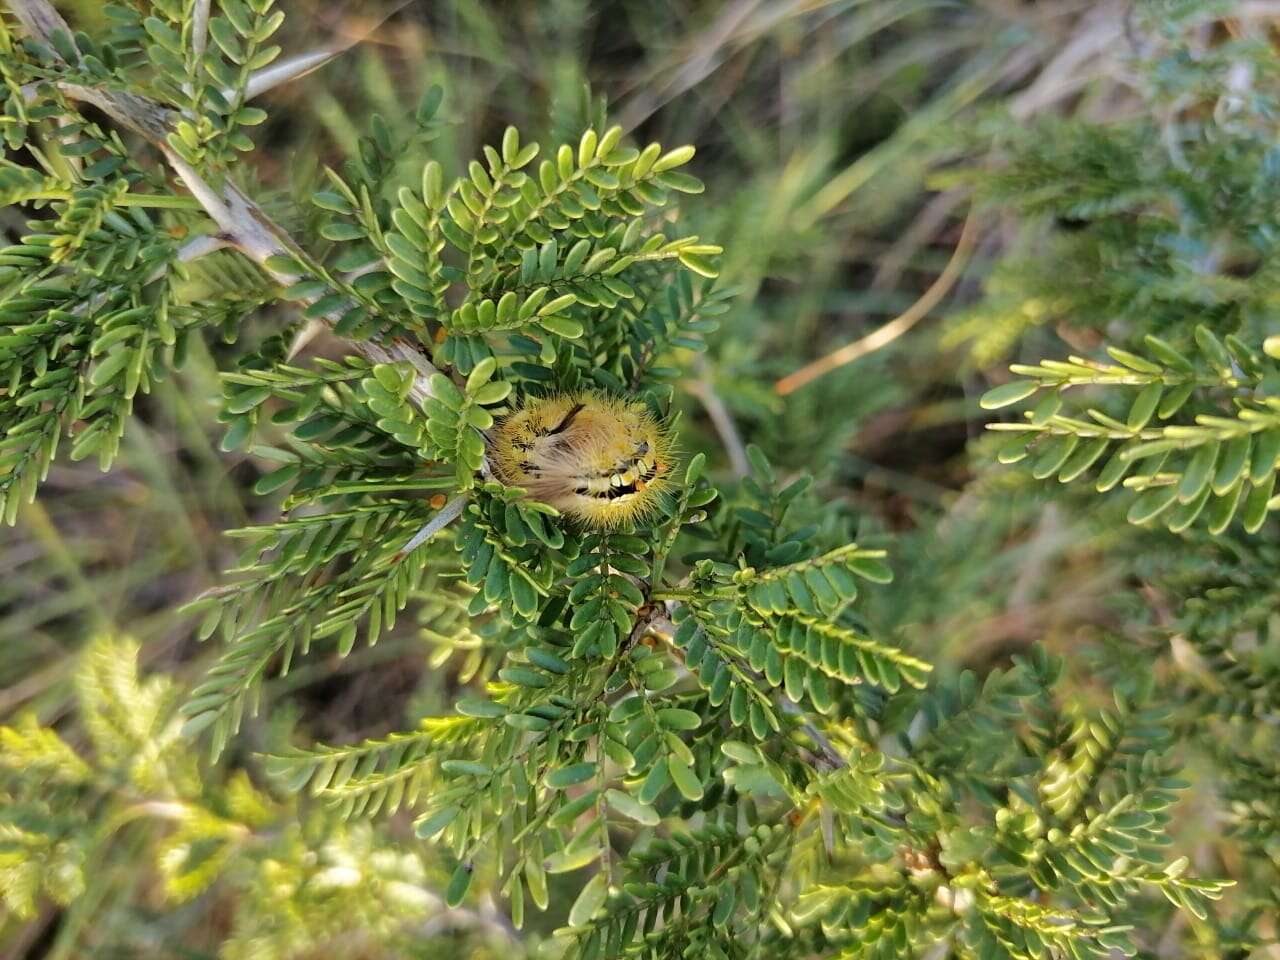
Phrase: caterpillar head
pixel 601 460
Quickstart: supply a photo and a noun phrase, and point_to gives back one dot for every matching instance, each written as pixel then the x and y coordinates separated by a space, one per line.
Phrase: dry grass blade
pixel 894 328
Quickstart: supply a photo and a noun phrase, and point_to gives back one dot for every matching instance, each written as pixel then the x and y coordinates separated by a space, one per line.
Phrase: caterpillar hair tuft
pixel 601 460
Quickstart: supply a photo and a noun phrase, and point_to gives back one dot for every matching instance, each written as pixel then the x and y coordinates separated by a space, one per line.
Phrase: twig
pixel 34 684
pixel 448 513
pixel 306 333
pixel 721 419
pixel 39 18
pixel 193 249
pixel 299 65
pixel 255 235
pixel 1095 38
pixel 198 247
pixel 200 27
pixel 268 78
pixel 242 222
pixel 489 920
pixel 31 933
pixel 895 327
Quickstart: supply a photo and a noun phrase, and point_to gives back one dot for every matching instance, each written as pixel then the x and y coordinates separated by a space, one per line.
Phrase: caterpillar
pixel 601 460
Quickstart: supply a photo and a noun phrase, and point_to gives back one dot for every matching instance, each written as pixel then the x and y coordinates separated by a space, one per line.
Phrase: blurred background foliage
pixel 860 156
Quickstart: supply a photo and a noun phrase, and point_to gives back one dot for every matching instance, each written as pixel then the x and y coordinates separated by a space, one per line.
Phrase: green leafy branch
pixel 1220 465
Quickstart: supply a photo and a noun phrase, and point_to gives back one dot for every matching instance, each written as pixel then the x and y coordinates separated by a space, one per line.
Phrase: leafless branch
pixel 721 419
pixel 198 247
pixel 200 27
pixel 299 65
pixel 268 78
pixel 39 18
pixel 448 513
pixel 829 753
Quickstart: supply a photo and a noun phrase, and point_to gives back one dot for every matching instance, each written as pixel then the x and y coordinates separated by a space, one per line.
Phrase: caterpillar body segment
pixel 601 460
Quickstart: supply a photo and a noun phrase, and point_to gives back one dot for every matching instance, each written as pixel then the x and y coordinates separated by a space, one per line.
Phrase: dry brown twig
pixel 896 327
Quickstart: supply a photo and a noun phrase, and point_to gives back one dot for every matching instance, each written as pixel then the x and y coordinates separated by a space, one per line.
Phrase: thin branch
pixel 259 238
pixel 241 221
pixel 894 328
pixel 299 65
pixel 829 752
pixel 931 219
pixel 198 247
pixel 721 419
pixel 308 332
pixel 200 27
pixel 135 113
pixel 448 513
pixel 268 78
pixel 39 18
pixel 1096 38
pixel 487 919
pixel 193 249
pixel 238 217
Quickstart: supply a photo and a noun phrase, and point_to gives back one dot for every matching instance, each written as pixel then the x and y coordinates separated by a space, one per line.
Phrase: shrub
pixel 680 721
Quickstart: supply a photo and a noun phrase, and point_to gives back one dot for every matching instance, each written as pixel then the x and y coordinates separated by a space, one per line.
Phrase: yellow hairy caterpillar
pixel 601 460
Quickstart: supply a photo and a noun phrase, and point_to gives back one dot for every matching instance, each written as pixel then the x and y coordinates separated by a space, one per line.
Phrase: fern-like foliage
pixel 670 728
pixel 1197 438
